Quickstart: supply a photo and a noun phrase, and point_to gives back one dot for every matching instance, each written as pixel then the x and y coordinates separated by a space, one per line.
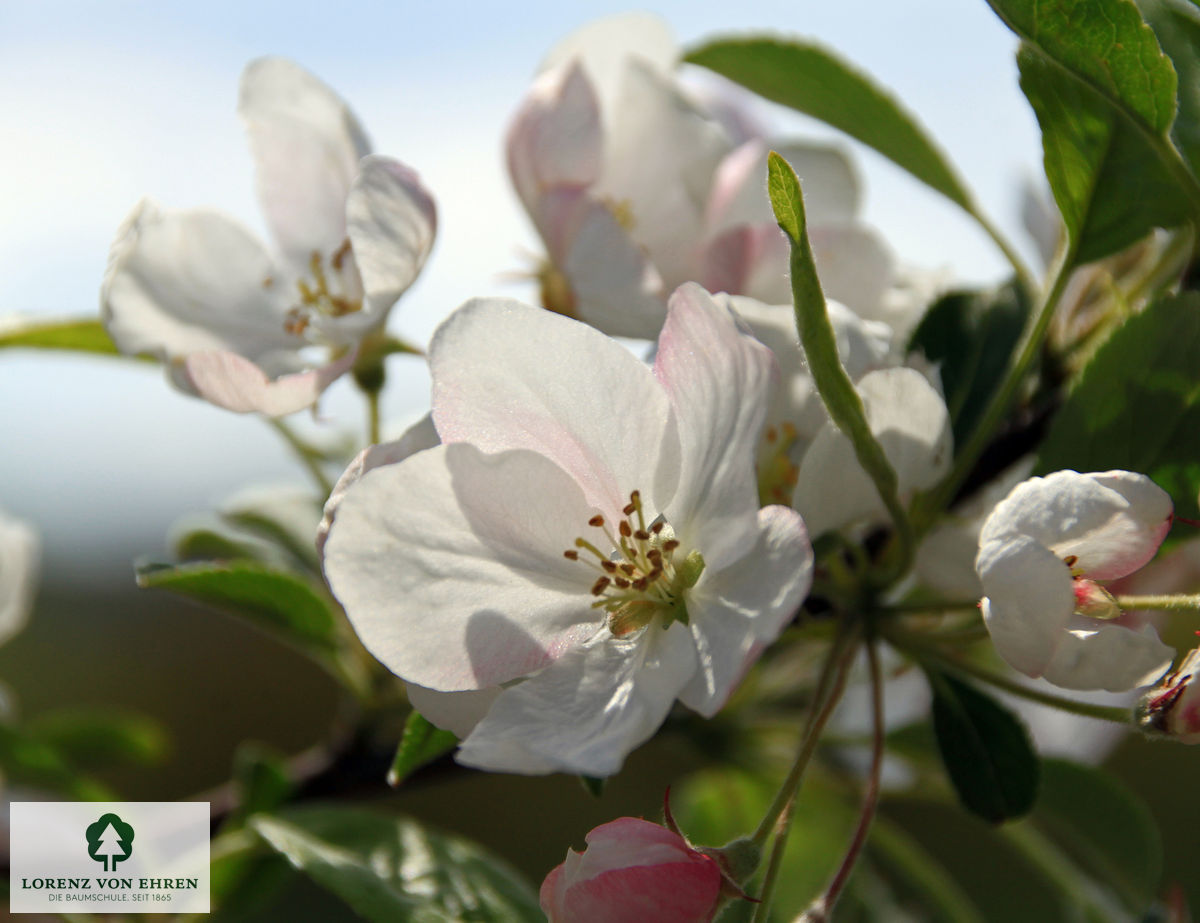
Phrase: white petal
pixel 718 378
pixel 1112 522
pixel 661 153
pixel 450 565
pixel 556 137
pixel 391 221
pixel 605 46
pixel 589 710
pixel 306 144
pixel 827 177
pixel 509 376
pixel 616 288
pixel 235 383
pixel 855 266
pixel 421 435
pixel 20 551
pixel 457 712
pixel 910 421
pixel 1100 655
pixel 735 613
pixel 180 282
pixel 1029 601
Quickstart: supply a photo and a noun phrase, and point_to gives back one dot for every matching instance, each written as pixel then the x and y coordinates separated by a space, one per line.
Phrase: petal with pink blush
pixel 235 383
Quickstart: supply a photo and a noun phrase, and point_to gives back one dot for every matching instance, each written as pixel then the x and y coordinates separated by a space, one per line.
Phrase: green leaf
pixel 97 738
pixel 820 346
pixel 280 602
pixel 813 80
pixel 986 750
pixel 420 743
pixel 970 336
pixel 1137 404
pixel 1107 830
pixel 1108 179
pixel 262 779
pixel 1107 45
pixel 1176 24
pixel 82 335
pixel 25 760
pixel 208 544
pixel 392 870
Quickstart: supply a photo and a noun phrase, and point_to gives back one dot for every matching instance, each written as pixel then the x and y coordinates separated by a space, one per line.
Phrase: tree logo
pixel 110 840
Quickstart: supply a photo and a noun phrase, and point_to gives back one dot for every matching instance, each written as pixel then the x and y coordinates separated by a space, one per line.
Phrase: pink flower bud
pixel 633 870
pixel 1173 706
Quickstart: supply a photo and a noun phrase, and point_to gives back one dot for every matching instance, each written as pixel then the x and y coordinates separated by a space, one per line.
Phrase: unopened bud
pixel 1093 600
pixel 1172 707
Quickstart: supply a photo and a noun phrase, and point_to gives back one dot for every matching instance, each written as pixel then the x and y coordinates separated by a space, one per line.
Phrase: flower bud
pixel 633 870
pixel 1173 706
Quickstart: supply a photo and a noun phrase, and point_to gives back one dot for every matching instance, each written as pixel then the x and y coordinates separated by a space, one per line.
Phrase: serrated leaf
pixel 1109 832
pixel 420 743
pixel 812 79
pixel 985 749
pixel 392 870
pixel 1176 24
pixel 1137 404
pixel 1108 180
pixel 97 738
pixel 76 335
pixel 278 601
pixel 1107 45
pixel 970 336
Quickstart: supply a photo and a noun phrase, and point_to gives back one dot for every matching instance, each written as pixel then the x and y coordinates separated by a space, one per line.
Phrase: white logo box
pixel 163 868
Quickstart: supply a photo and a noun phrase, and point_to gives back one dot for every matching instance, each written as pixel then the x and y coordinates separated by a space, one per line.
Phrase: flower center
pixel 1091 599
pixel 645 576
pixel 777 473
pixel 316 295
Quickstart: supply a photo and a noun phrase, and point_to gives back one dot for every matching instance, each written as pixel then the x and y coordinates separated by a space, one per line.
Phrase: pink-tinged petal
pixel 556 138
pixel 738 260
pixel 20 553
pixel 235 383
pixel 586 403
pixel 660 156
pixel 450 565
pixel 633 870
pixel 1101 655
pixel 588 710
pixel 617 289
pixel 604 47
pixel 736 612
pixel 306 145
pixel 457 712
pixel 718 378
pixel 855 266
pixel 1112 522
pixel 180 282
pixel 910 421
pixel 421 435
pixel 391 221
pixel 827 176
pixel 1029 602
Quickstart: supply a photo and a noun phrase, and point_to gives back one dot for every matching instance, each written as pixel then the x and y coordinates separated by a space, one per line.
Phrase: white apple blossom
pixel 636 187
pixel 587 537
pixel 239 326
pixel 20 551
pixel 1042 550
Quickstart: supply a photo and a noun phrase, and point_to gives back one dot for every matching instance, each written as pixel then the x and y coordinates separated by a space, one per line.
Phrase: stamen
pixel 624 529
pixel 642 535
pixel 600 586
pixel 571 555
pixel 670 545
pixel 656 528
pixel 596 521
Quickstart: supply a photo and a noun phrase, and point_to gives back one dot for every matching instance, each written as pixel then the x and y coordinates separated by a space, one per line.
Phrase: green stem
pixel 1024 277
pixel 828 692
pixel 922 650
pixel 373 426
pixel 305 454
pixel 939 498
pixel 827 901
pixel 762 910
pixel 1161 603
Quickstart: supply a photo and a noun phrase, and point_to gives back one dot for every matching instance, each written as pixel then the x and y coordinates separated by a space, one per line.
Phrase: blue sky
pixel 104 103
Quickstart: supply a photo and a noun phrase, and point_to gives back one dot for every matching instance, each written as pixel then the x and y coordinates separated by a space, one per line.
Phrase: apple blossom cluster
pixel 822 480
